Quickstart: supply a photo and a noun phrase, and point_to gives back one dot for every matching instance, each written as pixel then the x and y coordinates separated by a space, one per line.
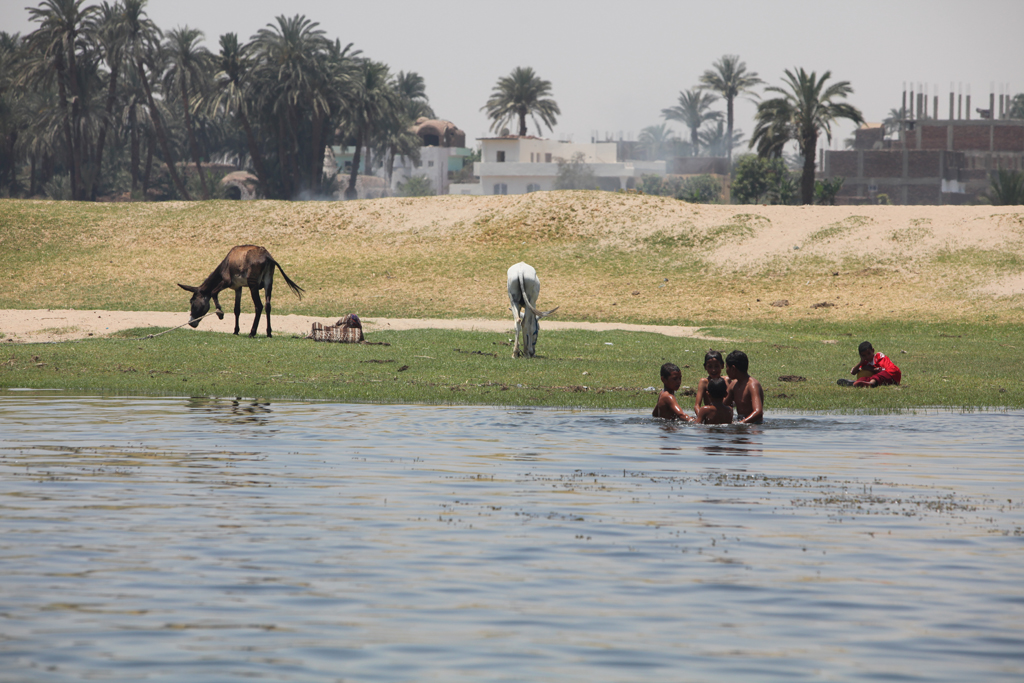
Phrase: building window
pixel 500 188
pixel 533 187
pixel 547 158
pixel 430 164
pixel 501 156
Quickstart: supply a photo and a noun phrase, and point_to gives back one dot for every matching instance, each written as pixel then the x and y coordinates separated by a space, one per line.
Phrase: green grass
pixel 963 366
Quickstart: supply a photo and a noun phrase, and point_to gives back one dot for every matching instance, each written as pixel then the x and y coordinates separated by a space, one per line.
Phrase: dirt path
pixel 17 326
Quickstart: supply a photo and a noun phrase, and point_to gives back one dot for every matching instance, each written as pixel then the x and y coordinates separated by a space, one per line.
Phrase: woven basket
pixel 336 333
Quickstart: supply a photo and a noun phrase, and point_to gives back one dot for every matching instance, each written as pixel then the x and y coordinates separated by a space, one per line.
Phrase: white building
pixel 516 165
pixel 443 152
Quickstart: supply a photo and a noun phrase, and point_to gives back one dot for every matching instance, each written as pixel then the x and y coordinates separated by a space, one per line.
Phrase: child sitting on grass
pixel 717 413
pixel 873 370
pixel 713 365
pixel 667 407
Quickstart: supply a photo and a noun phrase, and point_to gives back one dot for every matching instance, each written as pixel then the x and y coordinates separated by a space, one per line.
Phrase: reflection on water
pixel 231 411
pixel 227 539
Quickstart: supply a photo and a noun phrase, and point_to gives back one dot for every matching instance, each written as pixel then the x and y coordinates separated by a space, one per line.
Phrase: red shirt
pixel 881 363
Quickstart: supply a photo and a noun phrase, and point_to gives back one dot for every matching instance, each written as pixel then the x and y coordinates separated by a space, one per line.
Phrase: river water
pixel 168 539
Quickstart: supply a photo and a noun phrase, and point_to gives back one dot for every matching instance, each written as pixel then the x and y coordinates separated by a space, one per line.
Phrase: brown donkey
pixel 244 266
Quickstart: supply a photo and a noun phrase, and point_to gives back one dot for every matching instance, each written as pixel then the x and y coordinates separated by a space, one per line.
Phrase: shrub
pixel 417 186
pixel 575 174
pixel 758 180
pixel 702 189
pixel 825 191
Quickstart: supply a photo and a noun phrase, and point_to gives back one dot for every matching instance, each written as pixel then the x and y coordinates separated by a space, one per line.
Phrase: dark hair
pixel 668 368
pixel 713 354
pixel 737 359
pixel 865 346
pixel 717 388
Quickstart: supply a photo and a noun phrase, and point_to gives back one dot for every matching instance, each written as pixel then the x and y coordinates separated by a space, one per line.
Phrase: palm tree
pixel 804 108
pixel 717 142
pixel 142 46
pixel 1007 188
pixel 232 94
pixel 519 94
pixel 54 45
pixel 333 87
pixel 1016 108
pixel 413 92
pixel 108 32
pixel 373 99
pixel 657 141
pixel 395 137
pixel 301 81
pixel 729 78
pixel 13 122
pixel 187 70
pixel 692 111
pixel 893 121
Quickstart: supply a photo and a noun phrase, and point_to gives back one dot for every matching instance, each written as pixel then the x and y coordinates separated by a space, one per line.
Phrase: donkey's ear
pixel 188 288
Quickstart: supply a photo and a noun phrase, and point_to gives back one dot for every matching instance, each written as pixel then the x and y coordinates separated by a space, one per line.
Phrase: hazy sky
pixel 614 66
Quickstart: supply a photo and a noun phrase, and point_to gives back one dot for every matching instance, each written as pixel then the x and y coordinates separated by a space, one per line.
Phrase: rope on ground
pixel 148 336
pixel 152 336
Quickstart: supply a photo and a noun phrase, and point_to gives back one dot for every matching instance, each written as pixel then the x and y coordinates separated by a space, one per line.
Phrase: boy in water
pixel 873 370
pixel 713 365
pixel 667 407
pixel 717 413
pixel 745 392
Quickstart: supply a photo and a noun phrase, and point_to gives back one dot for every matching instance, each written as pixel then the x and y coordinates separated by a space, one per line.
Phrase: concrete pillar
pixel 950 105
pixel 959 106
pixel 935 108
pixel 920 115
pixel 968 106
pixel 906 172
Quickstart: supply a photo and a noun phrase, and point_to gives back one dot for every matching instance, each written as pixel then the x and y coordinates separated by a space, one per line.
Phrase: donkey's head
pixel 199 305
pixel 531 330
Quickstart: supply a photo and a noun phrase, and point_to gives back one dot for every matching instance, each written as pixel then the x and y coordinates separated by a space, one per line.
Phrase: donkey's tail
pixel 294 287
pixel 526 300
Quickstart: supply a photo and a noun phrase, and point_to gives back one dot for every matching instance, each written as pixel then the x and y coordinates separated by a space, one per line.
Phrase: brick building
pixel 927 161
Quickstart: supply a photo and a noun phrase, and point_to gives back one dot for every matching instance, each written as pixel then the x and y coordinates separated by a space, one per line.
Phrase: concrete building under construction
pixel 924 159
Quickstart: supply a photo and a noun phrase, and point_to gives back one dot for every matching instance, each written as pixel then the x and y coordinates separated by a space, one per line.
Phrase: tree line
pixel 98 100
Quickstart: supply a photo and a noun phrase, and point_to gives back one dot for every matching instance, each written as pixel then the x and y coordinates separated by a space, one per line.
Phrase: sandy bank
pixel 35 326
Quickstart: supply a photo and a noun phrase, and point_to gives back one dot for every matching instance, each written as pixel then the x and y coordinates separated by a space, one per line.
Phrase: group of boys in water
pixel 717 395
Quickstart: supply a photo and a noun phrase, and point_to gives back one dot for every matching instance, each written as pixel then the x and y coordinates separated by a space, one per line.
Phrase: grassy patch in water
pixel 944 364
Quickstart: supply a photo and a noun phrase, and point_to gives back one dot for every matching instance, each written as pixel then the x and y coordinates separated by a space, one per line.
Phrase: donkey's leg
pixel 259 310
pixel 519 326
pixel 238 307
pixel 270 288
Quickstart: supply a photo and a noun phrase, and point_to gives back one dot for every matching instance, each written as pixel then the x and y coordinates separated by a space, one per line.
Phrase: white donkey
pixel 523 289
